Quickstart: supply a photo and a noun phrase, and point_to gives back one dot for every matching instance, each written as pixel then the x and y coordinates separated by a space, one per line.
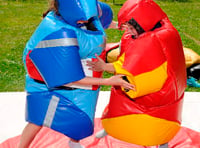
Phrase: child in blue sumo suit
pixel 61 91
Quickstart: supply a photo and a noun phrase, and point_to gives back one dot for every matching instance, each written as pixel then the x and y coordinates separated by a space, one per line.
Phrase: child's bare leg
pixel 101 134
pixel 28 135
pixel 75 144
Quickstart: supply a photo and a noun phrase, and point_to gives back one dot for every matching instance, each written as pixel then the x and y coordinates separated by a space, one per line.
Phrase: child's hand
pixel 97 65
pixel 119 81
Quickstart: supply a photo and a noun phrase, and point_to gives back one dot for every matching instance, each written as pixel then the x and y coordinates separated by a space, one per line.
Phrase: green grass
pixel 20 18
pixel 185 17
pixel 18 21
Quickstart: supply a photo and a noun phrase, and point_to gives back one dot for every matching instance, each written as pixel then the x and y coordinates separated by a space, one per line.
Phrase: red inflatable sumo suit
pixel 154 62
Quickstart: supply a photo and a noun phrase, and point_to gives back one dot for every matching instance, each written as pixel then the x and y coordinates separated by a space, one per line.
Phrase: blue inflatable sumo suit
pixel 56 55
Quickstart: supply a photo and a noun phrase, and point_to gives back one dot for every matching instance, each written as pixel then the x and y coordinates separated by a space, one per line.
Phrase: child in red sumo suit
pixel 151 57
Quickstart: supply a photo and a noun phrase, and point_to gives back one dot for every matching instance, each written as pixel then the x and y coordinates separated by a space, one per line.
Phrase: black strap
pixel 59 87
pixel 65 88
pixel 38 81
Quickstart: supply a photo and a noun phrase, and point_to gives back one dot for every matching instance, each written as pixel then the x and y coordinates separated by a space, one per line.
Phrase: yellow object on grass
pixel 191 57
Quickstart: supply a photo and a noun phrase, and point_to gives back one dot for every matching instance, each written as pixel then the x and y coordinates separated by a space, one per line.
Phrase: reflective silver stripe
pixel 51 111
pixel 58 42
pixel 85 67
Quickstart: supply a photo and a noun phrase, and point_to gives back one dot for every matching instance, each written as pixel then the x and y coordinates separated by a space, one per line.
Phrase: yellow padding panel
pixel 118 66
pixel 145 83
pixel 149 82
pixel 141 129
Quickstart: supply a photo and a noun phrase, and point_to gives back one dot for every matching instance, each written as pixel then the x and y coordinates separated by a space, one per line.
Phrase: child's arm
pixel 113 25
pixel 115 80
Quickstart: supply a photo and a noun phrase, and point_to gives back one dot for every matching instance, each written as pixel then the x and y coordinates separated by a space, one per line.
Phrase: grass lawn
pixel 20 18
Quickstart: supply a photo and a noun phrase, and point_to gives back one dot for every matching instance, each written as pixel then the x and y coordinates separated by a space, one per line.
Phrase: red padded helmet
pixel 145 12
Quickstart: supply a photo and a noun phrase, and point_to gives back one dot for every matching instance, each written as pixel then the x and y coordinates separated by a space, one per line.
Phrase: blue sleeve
pixel 57 58
pixel 106 14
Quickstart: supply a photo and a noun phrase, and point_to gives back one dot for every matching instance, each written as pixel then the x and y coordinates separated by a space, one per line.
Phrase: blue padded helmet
pixel 76 10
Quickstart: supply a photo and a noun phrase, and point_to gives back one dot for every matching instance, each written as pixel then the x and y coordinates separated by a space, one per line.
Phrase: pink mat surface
pixel 47 138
